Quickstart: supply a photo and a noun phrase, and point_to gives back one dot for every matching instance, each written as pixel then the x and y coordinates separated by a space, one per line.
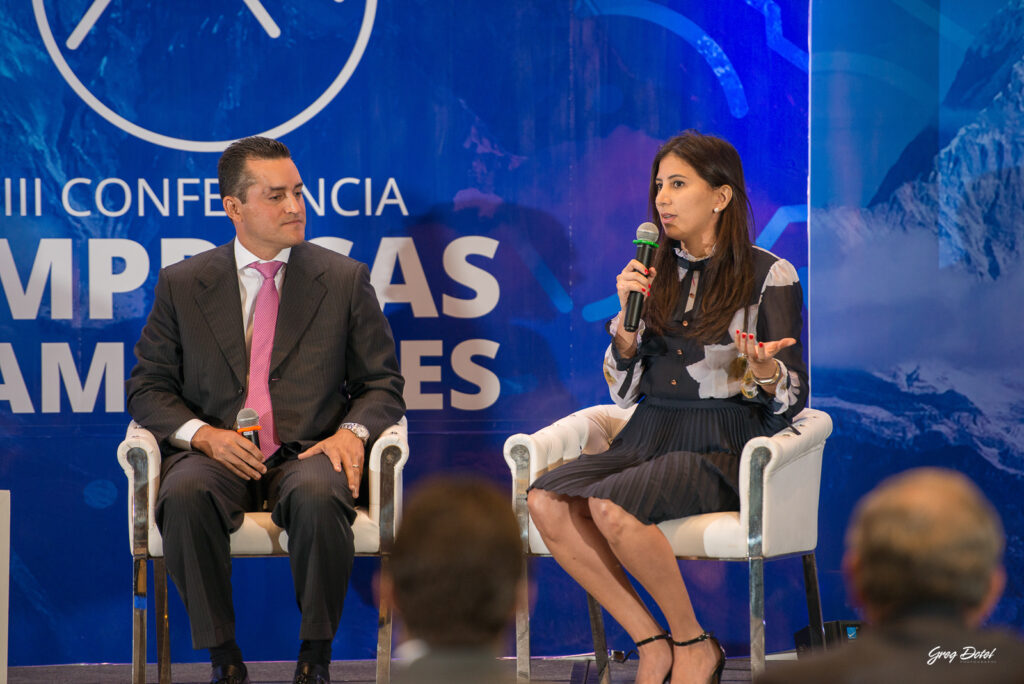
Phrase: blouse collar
pixel 686 260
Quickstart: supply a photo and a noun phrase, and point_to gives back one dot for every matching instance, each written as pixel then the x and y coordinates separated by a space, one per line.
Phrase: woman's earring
pixel 716 210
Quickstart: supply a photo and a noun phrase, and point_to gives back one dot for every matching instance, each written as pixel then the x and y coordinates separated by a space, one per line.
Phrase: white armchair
pixel 373 531
pixel 779 481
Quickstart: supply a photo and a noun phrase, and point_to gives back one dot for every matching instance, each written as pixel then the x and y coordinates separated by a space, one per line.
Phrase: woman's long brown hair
pixel 730 271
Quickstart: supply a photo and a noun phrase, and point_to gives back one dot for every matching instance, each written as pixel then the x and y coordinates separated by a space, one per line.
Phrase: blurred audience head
pixel 925 539
pixel 457 565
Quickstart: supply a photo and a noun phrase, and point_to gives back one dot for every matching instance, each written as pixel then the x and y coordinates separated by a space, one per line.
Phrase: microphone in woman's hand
pixel 646 242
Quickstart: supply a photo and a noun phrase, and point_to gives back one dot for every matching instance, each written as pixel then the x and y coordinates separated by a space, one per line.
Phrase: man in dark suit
pixel 294 331
pixel 456 575
pixel 924 562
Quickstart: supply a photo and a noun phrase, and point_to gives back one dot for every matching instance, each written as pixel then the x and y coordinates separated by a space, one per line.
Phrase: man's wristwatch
pixel 358 430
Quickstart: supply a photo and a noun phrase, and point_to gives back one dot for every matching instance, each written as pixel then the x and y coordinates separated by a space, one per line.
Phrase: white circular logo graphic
pixel 285 73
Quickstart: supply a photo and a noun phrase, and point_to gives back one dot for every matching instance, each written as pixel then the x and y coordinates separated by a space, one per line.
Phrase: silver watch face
pixel 358 430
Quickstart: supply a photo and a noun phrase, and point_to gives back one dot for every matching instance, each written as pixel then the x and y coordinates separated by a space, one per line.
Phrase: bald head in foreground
pixel 924 564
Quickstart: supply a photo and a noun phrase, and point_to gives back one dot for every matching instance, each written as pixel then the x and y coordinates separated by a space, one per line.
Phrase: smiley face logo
pixel 195 76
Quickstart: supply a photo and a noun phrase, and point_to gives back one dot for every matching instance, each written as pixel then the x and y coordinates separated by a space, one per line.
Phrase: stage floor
pixel 545 671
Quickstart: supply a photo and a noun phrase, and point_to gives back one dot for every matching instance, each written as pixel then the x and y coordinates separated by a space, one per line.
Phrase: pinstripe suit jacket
pixel 333 359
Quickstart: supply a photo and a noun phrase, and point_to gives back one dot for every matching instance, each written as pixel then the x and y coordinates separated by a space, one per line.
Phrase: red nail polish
pixel 760 344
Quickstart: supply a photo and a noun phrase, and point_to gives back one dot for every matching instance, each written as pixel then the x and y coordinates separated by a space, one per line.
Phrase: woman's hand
pixel 761 355
pixel 634 278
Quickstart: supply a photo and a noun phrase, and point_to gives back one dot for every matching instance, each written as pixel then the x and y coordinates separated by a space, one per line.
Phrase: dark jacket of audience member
pixel 924 563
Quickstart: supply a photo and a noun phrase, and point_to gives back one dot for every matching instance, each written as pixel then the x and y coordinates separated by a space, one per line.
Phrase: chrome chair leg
pixel 384 624
pixel 139 600
pixel 756 616
pixel 604 673
pixel 163 634
pixel 523 632
pixel 816 624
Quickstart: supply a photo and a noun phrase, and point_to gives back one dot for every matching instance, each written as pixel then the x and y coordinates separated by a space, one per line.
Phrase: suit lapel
pixel 301 295
pixel 219 300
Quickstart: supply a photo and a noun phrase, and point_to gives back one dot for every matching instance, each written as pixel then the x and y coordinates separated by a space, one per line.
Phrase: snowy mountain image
pixel 960 178
pixel 921 408
pixel 927 274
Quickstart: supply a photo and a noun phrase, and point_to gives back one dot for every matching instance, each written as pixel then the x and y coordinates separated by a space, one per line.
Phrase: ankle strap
pixel 664 635
pixel 623 657
pixel 704 636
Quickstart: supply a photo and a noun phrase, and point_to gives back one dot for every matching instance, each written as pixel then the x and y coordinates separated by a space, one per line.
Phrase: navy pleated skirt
pixel 672 459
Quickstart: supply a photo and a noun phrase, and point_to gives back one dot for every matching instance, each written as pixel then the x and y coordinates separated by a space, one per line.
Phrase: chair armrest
pixel 789 487
pixel 139 457
pixel 529 455
pixel 813 427
pixel 587 431
pixel 387 460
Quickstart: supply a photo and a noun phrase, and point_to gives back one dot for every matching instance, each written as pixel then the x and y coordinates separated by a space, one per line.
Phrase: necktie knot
pixel 268 269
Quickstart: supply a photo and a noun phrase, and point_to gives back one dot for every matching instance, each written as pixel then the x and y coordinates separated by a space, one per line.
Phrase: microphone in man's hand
pixel 646 242
pixel 249 425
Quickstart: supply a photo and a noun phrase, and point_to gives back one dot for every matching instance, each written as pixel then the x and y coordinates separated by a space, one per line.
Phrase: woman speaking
pixel 714 362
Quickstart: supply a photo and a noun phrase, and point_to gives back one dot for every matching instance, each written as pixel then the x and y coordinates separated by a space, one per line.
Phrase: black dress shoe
pixel 229 674
pixel 312 673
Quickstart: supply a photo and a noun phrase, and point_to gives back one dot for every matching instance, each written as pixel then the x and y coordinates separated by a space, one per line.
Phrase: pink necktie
pixel 264 321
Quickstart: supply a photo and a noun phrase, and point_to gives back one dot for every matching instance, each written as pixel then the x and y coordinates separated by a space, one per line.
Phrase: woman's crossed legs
pixel 593 540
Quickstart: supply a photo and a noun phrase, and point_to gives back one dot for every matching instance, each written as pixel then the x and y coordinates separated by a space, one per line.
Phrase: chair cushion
pixel 710 535
pixel 258 536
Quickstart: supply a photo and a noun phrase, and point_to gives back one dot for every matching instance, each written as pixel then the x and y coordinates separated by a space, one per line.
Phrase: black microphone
pixel 249 425
pixel 646 242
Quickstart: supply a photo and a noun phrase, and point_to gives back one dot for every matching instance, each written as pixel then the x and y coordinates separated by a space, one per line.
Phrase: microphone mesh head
pixel 248 417
pixel 647 231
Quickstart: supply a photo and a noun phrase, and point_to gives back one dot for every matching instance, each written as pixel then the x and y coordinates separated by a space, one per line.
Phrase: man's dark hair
pixel 457 563
pixel 231 169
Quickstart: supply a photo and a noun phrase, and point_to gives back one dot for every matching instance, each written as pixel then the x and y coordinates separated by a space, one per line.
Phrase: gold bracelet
pixel 764 382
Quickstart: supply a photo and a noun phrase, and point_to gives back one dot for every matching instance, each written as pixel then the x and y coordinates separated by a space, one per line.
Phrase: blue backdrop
pixel 916 234
pixel 491 166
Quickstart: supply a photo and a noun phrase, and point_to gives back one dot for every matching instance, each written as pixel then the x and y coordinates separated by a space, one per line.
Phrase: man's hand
pixel 231 450
pixel 346 453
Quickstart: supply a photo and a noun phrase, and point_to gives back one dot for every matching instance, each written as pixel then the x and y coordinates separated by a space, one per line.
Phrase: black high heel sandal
pixel 664 635
pixel 716 676
pixel 621 657
pixel 637 644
